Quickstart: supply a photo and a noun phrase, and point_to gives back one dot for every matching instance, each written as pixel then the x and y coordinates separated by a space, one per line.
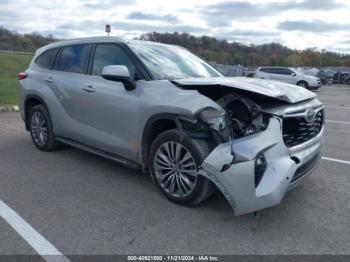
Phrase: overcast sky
pixel 297 24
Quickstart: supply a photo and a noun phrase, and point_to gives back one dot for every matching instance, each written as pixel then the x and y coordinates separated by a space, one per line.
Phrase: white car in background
pixel 288 75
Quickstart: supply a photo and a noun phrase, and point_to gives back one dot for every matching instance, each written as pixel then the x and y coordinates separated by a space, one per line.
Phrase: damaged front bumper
pixel 286 167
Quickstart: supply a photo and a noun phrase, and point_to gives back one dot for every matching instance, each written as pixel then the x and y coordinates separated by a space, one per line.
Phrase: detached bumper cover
pixel 238 182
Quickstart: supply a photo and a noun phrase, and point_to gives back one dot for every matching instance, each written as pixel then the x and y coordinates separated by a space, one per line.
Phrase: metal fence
pixel 16 52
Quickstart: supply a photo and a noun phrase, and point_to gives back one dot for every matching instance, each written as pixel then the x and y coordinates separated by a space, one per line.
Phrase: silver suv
pixel 162 109
pixel 289 75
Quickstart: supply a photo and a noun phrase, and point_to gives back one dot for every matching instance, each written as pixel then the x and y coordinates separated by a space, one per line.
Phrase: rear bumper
pixel 286 167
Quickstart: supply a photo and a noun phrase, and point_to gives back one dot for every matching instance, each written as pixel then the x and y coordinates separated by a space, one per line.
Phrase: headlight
pixel 214 118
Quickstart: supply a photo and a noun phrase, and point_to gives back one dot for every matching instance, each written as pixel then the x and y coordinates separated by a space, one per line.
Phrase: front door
pixel 110 111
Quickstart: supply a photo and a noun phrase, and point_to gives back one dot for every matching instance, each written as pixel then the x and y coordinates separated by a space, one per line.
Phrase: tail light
pixel 22 75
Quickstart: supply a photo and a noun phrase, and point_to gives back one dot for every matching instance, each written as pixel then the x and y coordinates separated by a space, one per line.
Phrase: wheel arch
pixel 30 101
pixel 303 81
pixel 155 125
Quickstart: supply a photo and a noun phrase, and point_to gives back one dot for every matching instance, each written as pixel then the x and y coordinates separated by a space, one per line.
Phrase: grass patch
pixel 10 66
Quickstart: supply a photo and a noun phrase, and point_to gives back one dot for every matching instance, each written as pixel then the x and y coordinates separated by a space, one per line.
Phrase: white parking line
pixel 43 247
pixel 336 160
pixel 340 122
pixel 338 107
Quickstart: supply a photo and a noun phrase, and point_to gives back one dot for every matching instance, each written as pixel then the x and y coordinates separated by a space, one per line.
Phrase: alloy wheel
pixel 175 169
pixel 38 128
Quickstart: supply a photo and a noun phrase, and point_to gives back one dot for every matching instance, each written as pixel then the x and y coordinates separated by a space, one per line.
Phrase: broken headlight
pixel 214 118
pixel 243 118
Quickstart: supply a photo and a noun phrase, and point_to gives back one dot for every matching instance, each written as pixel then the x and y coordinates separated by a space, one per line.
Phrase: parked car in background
pixel 341 78
pixel 326 77
pixel 249 72
pixel 288 75
pixel 311 71
pixel 162 109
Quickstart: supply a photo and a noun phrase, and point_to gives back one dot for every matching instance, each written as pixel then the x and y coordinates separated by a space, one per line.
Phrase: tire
pixel 193 193
pixel 303 84
pixel 40 128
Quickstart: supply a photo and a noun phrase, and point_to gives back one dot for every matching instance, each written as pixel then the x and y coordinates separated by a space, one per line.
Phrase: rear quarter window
pixel 266 70
pixel 281 71
pixel 46 59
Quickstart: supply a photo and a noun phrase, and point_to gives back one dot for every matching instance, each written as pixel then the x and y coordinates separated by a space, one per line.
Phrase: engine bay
pixel 243 115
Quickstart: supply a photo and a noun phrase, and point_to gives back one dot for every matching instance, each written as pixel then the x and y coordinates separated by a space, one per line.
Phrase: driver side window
pixel 111 54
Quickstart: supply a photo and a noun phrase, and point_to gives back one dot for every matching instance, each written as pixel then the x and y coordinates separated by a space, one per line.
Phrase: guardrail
pixel 16 52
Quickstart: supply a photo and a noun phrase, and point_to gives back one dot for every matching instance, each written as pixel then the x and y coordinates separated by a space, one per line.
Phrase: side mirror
pixel 118 73
pixel 293 74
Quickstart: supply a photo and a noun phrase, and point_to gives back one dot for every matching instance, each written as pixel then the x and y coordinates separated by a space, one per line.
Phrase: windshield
pixel 171 62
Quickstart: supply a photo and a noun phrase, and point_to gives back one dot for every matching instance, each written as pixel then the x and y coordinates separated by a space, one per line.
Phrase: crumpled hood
pixel 281 91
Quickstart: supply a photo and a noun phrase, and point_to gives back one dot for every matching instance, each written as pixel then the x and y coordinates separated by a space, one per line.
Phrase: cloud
pixel 156 27
pixel 253 33
pixel 223 13
pixel 346 41
pixel 246 21
pixel 152 17
pixel 317 5
pixel 313 26
pixel 132 26
pixel 250 36
pixel 103 4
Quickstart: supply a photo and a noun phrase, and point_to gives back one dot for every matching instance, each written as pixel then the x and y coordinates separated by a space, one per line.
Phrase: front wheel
pixel 174 166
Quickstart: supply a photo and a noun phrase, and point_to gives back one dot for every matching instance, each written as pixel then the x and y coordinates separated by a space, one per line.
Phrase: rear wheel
pixel 40 128
pixel 174 165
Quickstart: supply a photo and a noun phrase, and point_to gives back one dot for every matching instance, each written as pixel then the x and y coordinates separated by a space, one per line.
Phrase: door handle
pixel 49 80
pixel 89 89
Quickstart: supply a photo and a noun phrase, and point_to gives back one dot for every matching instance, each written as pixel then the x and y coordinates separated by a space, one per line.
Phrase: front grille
pixel 296 130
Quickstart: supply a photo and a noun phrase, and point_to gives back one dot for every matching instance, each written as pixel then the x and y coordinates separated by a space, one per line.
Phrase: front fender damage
pixel 237 182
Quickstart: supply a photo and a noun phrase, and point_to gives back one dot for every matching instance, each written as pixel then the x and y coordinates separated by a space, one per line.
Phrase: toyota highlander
pixel 163 110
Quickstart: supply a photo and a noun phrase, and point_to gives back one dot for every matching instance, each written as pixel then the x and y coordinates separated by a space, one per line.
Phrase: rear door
pixel 268 73
pixel 281 74
pixel 44 64
pixel 67 81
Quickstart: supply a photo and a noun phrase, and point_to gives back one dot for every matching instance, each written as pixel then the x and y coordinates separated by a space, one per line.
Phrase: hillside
pixel 271 54
pixel 10 66
pixel 13 41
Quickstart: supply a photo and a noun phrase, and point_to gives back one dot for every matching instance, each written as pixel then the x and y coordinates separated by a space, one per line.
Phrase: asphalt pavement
pixel 86 205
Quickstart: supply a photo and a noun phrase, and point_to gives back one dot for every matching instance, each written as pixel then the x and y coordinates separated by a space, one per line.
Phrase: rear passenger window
pixel 73 58
pixel 266 70
pixel 284 71
pixel 111 54
pixel 45 60
pixel 280 71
